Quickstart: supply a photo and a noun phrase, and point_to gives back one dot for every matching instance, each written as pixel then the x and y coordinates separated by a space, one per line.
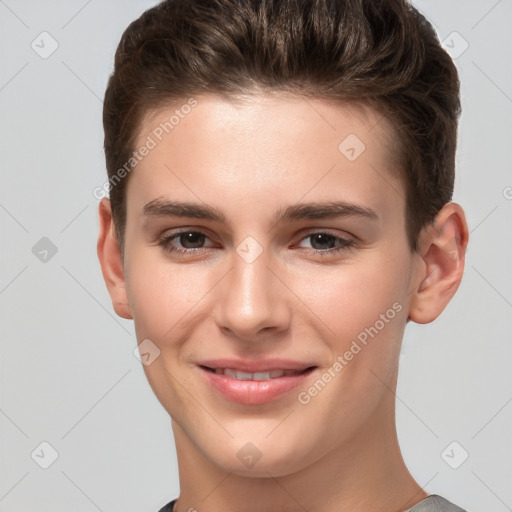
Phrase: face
pixel 289 254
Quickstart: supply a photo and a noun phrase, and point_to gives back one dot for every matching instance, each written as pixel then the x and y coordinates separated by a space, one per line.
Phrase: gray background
pixel 68 373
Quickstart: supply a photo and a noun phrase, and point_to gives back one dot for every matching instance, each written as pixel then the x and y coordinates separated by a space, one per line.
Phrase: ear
pixel 111 261
pixel 442 249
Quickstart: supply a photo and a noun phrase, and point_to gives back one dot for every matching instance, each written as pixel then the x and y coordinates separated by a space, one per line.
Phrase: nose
pixel 252 302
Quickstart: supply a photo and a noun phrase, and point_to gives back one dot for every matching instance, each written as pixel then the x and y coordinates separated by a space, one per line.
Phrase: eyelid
pixel 164 241
pixel 336 234
pixel 173 234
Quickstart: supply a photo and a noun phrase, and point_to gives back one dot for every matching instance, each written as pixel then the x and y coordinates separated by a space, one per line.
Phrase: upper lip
pixel 263 365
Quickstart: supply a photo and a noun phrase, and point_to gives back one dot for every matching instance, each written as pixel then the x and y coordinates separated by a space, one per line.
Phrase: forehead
pixel 267 147
pixel 268 110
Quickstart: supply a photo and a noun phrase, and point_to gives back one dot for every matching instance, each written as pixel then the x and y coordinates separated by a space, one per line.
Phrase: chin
pixel 247 460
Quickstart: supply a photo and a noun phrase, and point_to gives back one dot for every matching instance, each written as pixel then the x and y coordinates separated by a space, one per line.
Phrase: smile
pixel 241 375
pixel 254 388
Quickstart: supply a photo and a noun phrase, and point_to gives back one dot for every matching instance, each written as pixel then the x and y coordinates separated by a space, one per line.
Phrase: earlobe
pixel 442 249
pixel 111 261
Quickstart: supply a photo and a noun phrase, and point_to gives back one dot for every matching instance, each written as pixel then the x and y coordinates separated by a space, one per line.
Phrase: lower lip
pixel 254 392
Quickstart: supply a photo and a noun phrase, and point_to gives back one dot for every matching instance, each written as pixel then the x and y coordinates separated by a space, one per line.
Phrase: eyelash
pixel 345 244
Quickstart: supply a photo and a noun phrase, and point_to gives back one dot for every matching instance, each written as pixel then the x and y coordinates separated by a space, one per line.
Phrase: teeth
pixel 237 375
pixel 265 375
pixel 240 375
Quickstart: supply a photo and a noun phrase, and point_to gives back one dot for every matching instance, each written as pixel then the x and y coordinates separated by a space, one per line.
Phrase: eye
pixel 189 240
pixel 327 243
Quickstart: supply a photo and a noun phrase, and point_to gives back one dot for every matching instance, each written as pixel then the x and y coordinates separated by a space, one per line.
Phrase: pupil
pixel 322 238
pixel 192 240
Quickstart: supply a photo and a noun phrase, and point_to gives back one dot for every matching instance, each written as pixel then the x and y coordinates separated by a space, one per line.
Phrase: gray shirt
pixel 435 503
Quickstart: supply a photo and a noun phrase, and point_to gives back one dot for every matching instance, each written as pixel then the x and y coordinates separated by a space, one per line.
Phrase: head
pixel 250 109
pixel 384 55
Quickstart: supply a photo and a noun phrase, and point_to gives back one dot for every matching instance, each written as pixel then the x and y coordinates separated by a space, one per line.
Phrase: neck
pixel 361 474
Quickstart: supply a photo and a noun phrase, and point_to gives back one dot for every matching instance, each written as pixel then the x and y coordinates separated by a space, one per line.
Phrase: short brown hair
pixel 380 52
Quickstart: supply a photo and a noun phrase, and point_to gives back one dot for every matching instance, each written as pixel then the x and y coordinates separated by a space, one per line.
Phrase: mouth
pixel 233 373
pixel 256 387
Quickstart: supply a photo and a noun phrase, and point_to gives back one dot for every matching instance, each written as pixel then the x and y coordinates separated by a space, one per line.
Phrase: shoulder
pixel 168 507
pixel 435 503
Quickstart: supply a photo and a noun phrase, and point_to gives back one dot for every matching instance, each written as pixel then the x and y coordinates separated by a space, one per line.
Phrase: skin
pixel 248 159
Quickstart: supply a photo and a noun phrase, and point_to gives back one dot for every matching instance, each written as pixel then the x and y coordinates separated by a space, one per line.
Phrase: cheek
pixel 363 308
pixel 346 298
pixel 161 293
pixel 352 297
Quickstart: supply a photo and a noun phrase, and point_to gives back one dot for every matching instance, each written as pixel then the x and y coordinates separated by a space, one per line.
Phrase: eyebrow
pixel 302 211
